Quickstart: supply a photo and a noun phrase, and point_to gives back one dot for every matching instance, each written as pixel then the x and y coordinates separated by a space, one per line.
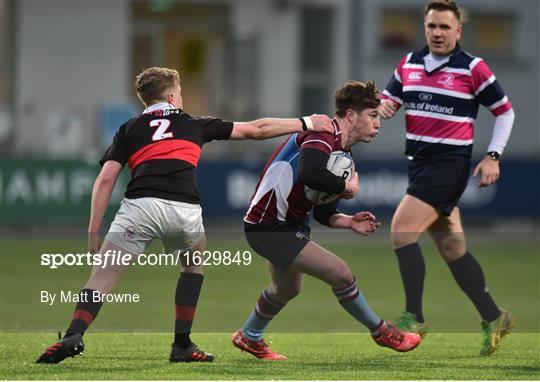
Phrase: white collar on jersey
pixel 432 62
pixel 159 106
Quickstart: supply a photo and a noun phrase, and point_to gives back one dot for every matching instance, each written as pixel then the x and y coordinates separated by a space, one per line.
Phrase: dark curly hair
pixel 357 96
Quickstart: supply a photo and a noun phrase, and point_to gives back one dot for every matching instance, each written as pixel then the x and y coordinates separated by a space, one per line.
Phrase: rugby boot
pixel 407 322
pixel 391 337
pixel 259 349
pixel 65 347
pixel 493 332
pixel 189 354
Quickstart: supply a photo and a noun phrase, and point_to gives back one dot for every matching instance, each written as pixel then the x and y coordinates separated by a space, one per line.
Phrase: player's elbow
pixel 510 114
pixel 105 180
pixel 324 213
pixel 257 134
pixel 258 130
pixel 321 218
pixel 248 130
pixel 307 177
pixel 108 175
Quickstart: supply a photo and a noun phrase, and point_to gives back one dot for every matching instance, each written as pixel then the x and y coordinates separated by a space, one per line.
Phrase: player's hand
pixel 364 223
pixel 94 242
pixel 489 170
pixel 322 123
pixel 351 187
pixel 387 109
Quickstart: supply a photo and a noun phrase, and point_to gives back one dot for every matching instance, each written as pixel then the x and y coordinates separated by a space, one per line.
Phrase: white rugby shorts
pixel 140 221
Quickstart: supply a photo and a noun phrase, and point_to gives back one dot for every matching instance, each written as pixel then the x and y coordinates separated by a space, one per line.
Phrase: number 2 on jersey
pixel 161 131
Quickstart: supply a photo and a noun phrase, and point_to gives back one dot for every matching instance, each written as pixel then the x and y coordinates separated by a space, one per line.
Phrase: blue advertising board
pixel 44 192
pixel 227 187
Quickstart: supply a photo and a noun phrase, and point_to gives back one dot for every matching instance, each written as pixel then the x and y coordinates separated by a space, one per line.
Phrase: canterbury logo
pixel 415 76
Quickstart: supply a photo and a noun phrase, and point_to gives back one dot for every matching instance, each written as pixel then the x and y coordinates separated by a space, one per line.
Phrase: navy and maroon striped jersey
pixel 441 106
pixel 279 195
pixel 162 147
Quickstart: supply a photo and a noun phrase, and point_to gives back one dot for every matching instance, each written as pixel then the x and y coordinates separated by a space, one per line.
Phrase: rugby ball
pixel 341 164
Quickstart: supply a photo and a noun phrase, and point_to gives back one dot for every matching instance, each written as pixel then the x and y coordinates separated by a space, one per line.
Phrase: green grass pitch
pixel 132 341
pixel 311 356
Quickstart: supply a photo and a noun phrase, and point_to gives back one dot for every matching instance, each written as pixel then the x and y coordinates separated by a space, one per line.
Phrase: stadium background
pixel 68 66
pixel 66 74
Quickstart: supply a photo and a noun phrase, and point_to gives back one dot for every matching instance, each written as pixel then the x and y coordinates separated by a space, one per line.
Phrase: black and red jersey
pixel 162 147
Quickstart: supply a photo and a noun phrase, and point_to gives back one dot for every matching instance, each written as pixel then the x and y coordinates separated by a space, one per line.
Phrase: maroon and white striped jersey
pixel 279 195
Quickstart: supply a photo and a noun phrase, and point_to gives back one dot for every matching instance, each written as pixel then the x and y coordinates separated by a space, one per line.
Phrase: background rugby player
pixel 441 88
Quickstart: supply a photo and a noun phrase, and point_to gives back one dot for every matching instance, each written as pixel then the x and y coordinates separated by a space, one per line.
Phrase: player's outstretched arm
pixel 101 193
pixel 265 128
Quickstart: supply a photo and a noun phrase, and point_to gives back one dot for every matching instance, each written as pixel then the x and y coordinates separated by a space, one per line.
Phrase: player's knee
pixel 192 268
pixel 101 284
pixel 102 287
pixel 451 247
pixel 292 293
pixel 401 238
pixel 342 276
pixel 288 293
pixel 398 224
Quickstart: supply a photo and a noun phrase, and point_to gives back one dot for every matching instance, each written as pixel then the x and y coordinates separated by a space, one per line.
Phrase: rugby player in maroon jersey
pixel 276 224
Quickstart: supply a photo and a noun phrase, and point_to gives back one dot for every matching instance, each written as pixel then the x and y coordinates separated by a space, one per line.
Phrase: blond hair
pixel 151 83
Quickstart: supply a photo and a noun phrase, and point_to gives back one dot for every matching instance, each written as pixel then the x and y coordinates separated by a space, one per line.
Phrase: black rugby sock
pixel 86 311
pixel 413 271
pixel 470 277
pixel 188 289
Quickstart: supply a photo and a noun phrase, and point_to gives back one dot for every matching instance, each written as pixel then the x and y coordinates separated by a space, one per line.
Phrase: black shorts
pixel 278 242
pixel 439 181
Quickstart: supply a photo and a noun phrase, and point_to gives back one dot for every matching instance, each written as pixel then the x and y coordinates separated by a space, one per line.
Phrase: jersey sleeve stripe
pixel 498 103
pixel 317 141
pixel 386 94
pixel 486 83
pixel 397 76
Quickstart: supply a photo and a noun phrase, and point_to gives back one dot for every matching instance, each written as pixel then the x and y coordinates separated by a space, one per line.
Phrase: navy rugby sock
pixel 354 302
pixel 188 289
pixel 85 313
pixel 470 277
pixel 413 272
